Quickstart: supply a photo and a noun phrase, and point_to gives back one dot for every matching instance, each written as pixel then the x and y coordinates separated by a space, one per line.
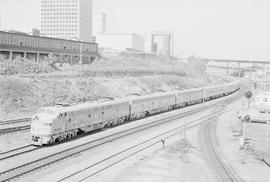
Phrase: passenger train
pixel 58 123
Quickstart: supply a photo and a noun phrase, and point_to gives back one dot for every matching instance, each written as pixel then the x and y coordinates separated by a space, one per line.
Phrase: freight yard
pixel 134 91
pixel 160 143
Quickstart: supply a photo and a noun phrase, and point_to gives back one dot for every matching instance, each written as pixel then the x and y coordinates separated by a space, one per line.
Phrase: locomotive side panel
pixel 97 115
pixel 142 105
pixel 166 100
pixel 189 95
pixel 58 125
pixel 152 102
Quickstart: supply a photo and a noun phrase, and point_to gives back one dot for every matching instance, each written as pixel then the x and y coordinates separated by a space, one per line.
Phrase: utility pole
pixel 246 119
pixel 185 130
pixel 81 58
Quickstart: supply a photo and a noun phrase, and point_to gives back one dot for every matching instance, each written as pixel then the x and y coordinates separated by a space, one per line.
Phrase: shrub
pixel 19 66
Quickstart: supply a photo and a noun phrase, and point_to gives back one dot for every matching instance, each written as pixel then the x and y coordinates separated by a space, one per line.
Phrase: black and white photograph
pixel 134 90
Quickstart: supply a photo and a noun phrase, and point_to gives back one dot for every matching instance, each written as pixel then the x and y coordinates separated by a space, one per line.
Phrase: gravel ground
pixel 246 163
pixel 11 141
pixel 187 159
pixel 181 161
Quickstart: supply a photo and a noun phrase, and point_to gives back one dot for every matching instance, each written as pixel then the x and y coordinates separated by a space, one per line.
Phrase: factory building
pixel 67 19
pixel 120 42
pixel 99 23
pixel 162 43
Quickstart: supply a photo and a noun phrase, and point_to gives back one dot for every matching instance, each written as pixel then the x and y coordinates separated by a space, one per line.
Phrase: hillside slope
pixel 108 78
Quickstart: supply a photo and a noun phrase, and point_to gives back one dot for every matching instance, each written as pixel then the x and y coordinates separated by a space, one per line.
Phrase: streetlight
pixel 81 50
pixel 81 58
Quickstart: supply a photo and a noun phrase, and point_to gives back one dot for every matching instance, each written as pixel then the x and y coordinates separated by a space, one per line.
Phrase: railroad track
pixel 222 171
pixel 18 171
pixel 100 166
pixel 14 126
pixel 17 151
pixel 32 166
pixel 17 129
pixel 15 121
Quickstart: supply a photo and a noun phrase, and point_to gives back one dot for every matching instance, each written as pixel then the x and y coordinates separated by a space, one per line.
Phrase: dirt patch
pixel 247 163
pixel 180 161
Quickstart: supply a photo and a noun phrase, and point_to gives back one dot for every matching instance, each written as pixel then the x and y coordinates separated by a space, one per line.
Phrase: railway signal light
pixel 248 94
pixel 246 118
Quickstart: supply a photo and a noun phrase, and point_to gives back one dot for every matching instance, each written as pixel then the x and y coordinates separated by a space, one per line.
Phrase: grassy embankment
pixel 111 77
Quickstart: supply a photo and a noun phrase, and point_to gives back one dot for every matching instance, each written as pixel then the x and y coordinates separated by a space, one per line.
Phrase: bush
pixel 17 95
pixel 19 66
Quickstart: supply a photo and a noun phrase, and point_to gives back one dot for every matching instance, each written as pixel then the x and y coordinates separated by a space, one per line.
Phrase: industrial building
pixel 67 19
pixel 120 42
pixel 99 23
pixel 13 44
pixel 162 42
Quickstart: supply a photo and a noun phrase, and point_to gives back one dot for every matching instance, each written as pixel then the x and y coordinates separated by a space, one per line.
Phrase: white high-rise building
pixel 99 23
pixel 68 19
pixel 0 20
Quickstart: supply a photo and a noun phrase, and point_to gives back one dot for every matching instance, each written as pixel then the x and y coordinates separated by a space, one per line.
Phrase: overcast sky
pixel 234 29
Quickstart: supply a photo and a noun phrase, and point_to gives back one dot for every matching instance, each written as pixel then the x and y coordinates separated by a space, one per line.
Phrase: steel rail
pixel 13 121
pixel 128 149
pixel 17 151
pixel 58 156
pixel 175 131
pixel 222 170
pixel 39 163
pixel 17 129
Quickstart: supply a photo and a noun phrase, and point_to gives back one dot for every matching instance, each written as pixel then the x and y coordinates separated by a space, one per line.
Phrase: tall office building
pixel 0 20
pixel 68 19
pixel 99 23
